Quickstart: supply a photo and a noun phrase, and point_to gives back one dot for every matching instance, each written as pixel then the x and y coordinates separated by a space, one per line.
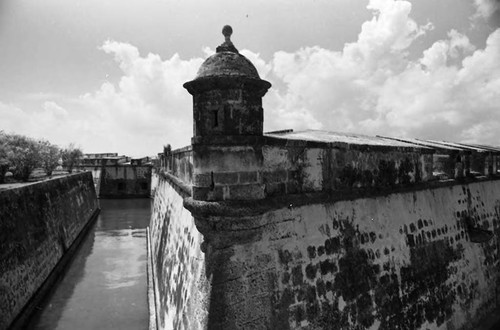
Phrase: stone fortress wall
pixel 318 230
pixel 39 224
pixel 178 265
pixel 403 251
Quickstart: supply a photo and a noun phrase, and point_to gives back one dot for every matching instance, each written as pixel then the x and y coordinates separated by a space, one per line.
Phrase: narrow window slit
pixel 215 118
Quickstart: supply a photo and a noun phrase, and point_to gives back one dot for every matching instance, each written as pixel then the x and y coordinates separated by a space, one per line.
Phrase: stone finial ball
pixel 227 31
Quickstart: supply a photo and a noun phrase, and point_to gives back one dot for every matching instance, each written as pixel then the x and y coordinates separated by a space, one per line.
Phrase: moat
pixel 105 286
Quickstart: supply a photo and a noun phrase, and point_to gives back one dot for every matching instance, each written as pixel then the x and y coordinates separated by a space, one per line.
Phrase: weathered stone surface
pixel 393 262
pixel 39 222
pixel 248 177
pixel 403 260
pixel 228 112
pixel 180 283
pixel 226 178
pixel 125 181
pixel 227 64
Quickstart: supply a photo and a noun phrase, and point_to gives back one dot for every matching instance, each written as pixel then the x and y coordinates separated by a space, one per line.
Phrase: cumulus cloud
pixel 486 8
pixel 341 89
pixel 149 107
pixel 437 99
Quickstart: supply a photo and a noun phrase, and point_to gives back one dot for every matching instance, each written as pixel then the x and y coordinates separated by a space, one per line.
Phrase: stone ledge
pixel 208 83
pixel 183 189
pixel 247 191
pixel 265 140
pixel 238 208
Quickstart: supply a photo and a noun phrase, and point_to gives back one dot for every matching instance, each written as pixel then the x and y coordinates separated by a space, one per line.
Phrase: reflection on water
pixel 105 287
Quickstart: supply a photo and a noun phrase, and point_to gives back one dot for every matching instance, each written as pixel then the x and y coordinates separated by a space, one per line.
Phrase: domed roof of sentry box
pixel 227 61
pixel 227 68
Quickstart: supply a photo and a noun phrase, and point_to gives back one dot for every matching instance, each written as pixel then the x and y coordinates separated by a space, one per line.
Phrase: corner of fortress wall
pixel 395 260
pixel 39 223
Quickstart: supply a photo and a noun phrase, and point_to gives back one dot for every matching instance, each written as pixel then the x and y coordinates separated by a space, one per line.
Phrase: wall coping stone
pixel 257 207
pixel 261 141
pixel 183 189
pixel 23 185
pixel 182 150
pixel 203 84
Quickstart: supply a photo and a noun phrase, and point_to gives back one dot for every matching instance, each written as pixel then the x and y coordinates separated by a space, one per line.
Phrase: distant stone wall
pixel 124 181
pixel 403 260
pixel 39 222
pixel 178 263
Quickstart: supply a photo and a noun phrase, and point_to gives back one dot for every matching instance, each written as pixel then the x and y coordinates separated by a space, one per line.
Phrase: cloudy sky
pixel 108 74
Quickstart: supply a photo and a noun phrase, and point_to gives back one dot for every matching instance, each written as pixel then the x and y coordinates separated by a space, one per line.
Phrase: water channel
pixel 105 286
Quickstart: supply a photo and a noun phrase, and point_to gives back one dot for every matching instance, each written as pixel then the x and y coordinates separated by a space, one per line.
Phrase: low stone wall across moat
pixel 121 181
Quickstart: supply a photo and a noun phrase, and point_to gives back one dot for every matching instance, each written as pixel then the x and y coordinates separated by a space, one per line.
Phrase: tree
pixel 23 155
pixel 71 156
pixel 4 161
pixel 50 155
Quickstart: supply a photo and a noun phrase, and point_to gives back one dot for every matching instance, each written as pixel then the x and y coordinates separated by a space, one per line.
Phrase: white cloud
pixel 149 107
pixel 262 67
pixel 341 89
pixel 486 8
pixel 440 100
pixel 52 109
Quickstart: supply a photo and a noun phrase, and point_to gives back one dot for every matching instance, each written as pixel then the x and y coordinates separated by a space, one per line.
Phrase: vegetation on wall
pixel 21 155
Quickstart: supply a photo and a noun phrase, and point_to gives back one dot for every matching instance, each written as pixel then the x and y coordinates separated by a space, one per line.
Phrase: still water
pixel 105 286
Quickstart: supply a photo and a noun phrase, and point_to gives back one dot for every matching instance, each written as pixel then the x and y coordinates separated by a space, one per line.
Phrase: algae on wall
pixel 178 262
